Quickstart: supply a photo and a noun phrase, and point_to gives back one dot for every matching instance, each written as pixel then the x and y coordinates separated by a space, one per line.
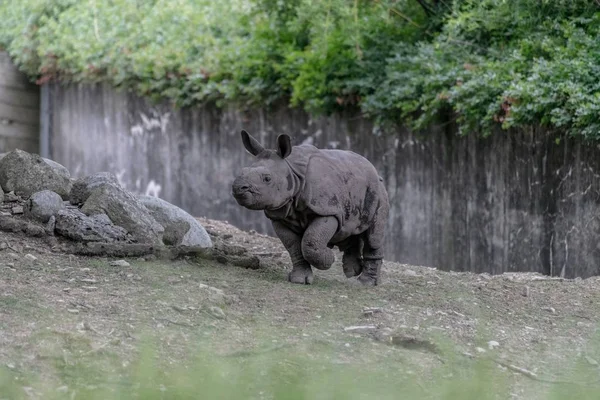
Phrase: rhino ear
pixel 251 144
pixel 284 146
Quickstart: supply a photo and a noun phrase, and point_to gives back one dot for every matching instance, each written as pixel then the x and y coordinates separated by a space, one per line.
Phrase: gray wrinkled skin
pixel 317 199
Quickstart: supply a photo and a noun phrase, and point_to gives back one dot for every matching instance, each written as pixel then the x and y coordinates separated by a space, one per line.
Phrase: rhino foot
pixel 371 273
pixel 303 276
pixel 352 265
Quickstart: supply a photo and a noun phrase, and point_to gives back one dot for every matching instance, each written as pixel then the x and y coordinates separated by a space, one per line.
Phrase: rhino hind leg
pixel 315 242
pixel 352 259
pixel 301 272
pixel 373 248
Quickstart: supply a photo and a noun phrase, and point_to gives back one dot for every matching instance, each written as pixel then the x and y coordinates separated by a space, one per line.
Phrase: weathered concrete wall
pixel 516 201
pixel 19 109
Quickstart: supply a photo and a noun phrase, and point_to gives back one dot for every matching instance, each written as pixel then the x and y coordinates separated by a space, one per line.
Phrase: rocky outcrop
pixel 93 215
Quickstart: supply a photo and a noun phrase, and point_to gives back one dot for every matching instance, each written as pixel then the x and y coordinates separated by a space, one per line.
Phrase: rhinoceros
pixel 317 199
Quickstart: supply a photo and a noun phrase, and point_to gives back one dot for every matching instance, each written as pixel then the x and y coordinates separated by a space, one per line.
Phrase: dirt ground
pixel 59 311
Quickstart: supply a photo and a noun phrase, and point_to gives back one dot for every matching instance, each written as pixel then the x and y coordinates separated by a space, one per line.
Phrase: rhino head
pixel 267 184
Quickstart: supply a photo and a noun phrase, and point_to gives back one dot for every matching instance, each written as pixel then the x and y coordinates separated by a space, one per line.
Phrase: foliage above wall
pixel 480 63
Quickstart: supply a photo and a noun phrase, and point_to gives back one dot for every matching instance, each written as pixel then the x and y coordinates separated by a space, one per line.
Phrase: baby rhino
pixel 317 199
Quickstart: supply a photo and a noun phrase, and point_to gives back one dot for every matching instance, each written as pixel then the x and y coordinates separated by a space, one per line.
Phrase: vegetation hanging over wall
pixel 482 63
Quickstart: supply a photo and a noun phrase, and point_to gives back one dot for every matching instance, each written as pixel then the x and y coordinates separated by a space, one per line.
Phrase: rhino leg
pixel 373 249
pixel 352 259
pixel 372 260
pixel 301 271
pixel 315 240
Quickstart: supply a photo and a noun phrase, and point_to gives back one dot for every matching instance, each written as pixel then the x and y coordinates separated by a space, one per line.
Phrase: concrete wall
pixel 515 201
pixel 19 109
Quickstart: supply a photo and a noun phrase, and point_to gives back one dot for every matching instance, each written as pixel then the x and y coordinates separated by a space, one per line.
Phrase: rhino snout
pixel 239 187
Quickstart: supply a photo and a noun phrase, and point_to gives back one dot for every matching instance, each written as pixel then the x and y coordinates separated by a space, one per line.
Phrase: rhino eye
pixel 266 178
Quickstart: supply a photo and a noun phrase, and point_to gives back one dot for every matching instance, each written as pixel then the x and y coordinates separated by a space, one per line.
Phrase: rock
pixel 17 210
pixel 492 344
pixel 50 225
pixel 11 224
pixel 119 263
pixel 124 210
pixel 3 246
pixel 34 230
pixel 369 311
pixel 414 343
pixel 43 205
pixel 180 227
pixel 83 187
pixel 551 310
pixel 11 197
pixel 359 328
pixel 216 312
pixel 30 257
pixel 75 225
pixel 217 296
pixel 26 173
pixel 591 361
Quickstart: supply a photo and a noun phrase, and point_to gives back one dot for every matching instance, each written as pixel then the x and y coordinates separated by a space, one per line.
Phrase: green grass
pixel 281 374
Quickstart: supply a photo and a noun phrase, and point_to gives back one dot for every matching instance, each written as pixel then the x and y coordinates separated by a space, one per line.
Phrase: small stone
pixel 492 344
pixel 179 309
pixel 480 349
pixel 50 225
pixel 62 389
pixel 591 361
pixel 119 263
pixel 359 328
pixel 73 311
pixel 217 312
pixel 11 197
pixel 409 272
pixel 66 289
pixel 3 246
pixel 88 280
pixel 525 292
pixel 89 288
pixel 17 210
pixel 10 366
pixel 549 309
pixel 368 311
pixel 30 257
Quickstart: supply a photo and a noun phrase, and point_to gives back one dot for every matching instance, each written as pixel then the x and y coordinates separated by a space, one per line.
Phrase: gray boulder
pixel 26 173
pixel 124 210
pixel 75 225
pixel 43 205
pixel 181 229
pixel 82 188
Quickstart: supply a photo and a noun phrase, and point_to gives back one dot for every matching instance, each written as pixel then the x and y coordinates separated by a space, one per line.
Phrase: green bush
pixel 481 63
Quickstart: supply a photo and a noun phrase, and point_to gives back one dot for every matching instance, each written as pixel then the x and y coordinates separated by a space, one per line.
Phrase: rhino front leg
pixel 301 271
pixel 315 240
